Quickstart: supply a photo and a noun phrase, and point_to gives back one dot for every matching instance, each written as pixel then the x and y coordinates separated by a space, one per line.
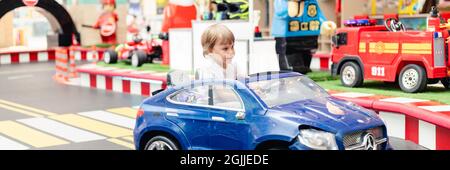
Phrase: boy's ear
pixel 208 51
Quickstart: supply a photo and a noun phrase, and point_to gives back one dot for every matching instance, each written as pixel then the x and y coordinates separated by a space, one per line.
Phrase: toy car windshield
pixel 281 91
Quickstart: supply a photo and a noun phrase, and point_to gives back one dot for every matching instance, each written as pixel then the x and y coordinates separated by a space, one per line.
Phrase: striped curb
pixel 20 56
pixel 121 80
pixel 423 122
pixel 87 54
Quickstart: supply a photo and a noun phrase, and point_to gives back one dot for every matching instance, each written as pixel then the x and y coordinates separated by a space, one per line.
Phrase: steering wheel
pixel 394 25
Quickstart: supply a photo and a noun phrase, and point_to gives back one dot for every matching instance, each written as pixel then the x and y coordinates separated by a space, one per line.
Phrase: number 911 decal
pixel 378 71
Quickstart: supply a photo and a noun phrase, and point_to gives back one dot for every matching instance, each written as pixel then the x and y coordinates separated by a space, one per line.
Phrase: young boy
pixel 218 50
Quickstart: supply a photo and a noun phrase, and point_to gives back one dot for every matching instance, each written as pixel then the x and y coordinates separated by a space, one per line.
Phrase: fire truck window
pixel 342 38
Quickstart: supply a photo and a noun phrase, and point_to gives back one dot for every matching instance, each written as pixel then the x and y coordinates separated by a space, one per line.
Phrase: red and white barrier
pixel 20 56
pixel 61 64
pixel 423 122
pixel 64 65
pixel 87 54
pixel 321 61
pixel 421 132
pixel 122 81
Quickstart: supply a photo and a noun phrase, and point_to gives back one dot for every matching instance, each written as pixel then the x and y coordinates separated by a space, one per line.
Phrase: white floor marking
pixel 7 144
pixel 61 130
pixel 110 118
pixel 20 77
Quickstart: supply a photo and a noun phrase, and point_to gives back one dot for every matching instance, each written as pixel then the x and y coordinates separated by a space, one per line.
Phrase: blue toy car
pixel 265 111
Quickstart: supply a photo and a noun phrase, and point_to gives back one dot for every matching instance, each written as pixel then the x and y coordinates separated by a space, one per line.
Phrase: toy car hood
pixel 329 114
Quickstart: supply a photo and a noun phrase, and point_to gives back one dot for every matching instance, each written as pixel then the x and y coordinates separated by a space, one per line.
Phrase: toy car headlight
pixel 317 139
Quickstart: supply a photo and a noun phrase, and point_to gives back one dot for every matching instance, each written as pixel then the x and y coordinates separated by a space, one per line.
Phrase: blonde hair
pixel 214 34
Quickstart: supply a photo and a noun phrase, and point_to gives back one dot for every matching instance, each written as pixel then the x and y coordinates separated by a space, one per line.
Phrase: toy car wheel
pixel 161 143
pixel 351 75
pixel 157 53
pixel 138 58
pixel 446 82
pixel 110 57
pixel 413 78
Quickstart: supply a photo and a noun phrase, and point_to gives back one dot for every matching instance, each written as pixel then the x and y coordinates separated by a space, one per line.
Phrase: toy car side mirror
pixel 339 39
pixel 240 115
pixel 334 40
pixel 157 91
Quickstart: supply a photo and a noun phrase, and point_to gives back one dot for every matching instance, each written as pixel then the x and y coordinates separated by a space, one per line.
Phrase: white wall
pixel 180 50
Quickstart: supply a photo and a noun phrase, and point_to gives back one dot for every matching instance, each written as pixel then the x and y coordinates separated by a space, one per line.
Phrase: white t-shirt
pixel 211 70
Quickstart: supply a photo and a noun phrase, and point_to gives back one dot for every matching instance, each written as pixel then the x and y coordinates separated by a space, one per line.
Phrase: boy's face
pixel 109 8
pixel 224 52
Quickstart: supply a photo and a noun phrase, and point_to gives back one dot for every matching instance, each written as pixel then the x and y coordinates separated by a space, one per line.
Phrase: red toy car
pixel 138 51
pixel 390 53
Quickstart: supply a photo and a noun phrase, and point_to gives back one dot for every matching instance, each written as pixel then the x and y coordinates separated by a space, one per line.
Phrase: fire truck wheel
pixel 110 57
pixel 138 58
pixel 413 78
pixel 351 75
pixel 446 82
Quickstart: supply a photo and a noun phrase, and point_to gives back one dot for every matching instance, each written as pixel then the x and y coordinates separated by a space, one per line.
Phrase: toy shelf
pixel 402 16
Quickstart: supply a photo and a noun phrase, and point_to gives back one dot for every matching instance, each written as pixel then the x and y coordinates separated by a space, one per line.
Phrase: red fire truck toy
pixel 389 53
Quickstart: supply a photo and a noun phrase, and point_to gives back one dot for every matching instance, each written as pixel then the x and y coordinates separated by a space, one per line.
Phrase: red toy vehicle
pixel 138 51
pixel 390 53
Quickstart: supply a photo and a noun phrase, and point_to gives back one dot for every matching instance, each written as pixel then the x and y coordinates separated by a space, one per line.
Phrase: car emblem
pixel 369 142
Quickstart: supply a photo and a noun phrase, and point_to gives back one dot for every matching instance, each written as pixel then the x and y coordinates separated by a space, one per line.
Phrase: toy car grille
pixel 356 138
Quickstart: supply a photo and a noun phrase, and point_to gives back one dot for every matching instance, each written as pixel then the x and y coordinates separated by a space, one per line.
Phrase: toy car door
pixel 190 111
pixel 229 126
